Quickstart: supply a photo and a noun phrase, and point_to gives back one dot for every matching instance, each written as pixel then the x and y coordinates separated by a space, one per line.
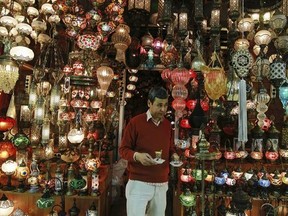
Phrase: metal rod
pixel 202 189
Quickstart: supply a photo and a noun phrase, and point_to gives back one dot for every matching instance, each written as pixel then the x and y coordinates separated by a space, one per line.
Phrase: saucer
pixel 158 160
pixel 176 164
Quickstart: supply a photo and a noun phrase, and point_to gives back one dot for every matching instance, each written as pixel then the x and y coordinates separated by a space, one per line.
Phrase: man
pixel 144 135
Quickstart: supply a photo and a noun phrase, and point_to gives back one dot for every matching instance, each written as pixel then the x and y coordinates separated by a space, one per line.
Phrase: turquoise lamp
pixel 283 95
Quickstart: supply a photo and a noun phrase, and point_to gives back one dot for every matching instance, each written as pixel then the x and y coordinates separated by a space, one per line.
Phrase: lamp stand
pixel 8 186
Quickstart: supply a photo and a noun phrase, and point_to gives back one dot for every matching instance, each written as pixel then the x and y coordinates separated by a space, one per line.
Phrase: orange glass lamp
pixel 9 167
pixel 6 206
pixel 6 124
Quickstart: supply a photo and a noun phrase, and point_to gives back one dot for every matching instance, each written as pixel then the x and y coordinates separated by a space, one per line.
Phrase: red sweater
pixel 145 137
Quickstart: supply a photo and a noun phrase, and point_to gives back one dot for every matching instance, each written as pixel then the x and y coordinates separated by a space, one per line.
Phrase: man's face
pixel 158 108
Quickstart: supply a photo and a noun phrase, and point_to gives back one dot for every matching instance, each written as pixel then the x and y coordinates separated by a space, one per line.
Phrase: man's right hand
pixel 144 158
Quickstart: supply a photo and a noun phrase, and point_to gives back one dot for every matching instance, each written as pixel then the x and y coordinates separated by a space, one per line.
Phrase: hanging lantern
pixel 179 91
pixel 180 76
pixel 283 94
pixel 262 38
pixel 121 40
pixel 262 98
pixel 55 97
pixel 89 41
pixel 39 110
pixel 46 130
pixel 215 83
pixel 32 95
pixel 105 75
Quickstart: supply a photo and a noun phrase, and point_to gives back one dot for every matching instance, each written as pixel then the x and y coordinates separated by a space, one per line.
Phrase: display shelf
pixel 27 201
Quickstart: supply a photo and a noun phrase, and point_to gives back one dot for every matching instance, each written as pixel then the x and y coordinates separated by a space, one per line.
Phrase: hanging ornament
pixel 242 61
pixel 215 80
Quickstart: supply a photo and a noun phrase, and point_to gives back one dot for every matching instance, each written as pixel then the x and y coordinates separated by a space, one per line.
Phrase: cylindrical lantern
pixel 55 97
pixel 46 130
pixel 58 179
pixel 39 111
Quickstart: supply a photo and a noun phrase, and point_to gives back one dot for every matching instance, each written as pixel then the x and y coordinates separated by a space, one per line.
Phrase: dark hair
pixel 157 91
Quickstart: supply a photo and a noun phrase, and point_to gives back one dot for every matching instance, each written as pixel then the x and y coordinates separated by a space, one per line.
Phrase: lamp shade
pixel 139 4
pixel 7 150
pixel 8 73
pixel 278 21
pixel 9 167
pixel 6 206
pixel 283 94
pixel 105 75
pixel 187 198
pixel 262 37
pixel 6 123
pixel 246 24
pixel 46 201
pixel 22 53
pixel 76 136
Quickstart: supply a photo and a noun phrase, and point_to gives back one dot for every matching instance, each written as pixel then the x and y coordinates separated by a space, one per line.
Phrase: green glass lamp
pixel 187 199
pixel 45 201
pixel 77 183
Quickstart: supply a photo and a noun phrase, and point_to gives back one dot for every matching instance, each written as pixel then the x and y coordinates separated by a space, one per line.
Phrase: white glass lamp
pixel 76 135
pixel 262 37
pixel 8 73
pixel 6 206
pixel 9 167
pixel 22 53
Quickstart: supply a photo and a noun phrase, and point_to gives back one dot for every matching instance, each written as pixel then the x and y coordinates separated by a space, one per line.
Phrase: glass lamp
pixel 6 206
pixel 246 24
pixel 139 4
pixel 22 173
pixel 187 199
pixel 8 73
pixel 183 21
pixel 105 75
pixel 283 95
pixel 278 21
pixel 22 53
pixel 39 111
pixel 9 167
pixel 45 201
pixel 76 135
pixel 6 124
pixel 262 37
pixel 121 40
pixel 92 211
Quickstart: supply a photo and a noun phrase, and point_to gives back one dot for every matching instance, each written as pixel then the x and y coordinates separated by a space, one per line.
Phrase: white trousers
pixel 145 198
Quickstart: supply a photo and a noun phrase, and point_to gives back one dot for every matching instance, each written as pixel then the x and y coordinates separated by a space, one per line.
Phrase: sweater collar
pixel 149 116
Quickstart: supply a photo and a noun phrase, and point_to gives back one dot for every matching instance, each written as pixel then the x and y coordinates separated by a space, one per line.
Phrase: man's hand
pixel 144 158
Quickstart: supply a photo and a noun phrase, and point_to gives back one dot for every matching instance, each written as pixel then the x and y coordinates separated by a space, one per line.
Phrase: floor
pixel 118 207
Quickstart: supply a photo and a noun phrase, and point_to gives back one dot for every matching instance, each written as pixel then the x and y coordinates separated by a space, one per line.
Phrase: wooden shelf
pixel 27 201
